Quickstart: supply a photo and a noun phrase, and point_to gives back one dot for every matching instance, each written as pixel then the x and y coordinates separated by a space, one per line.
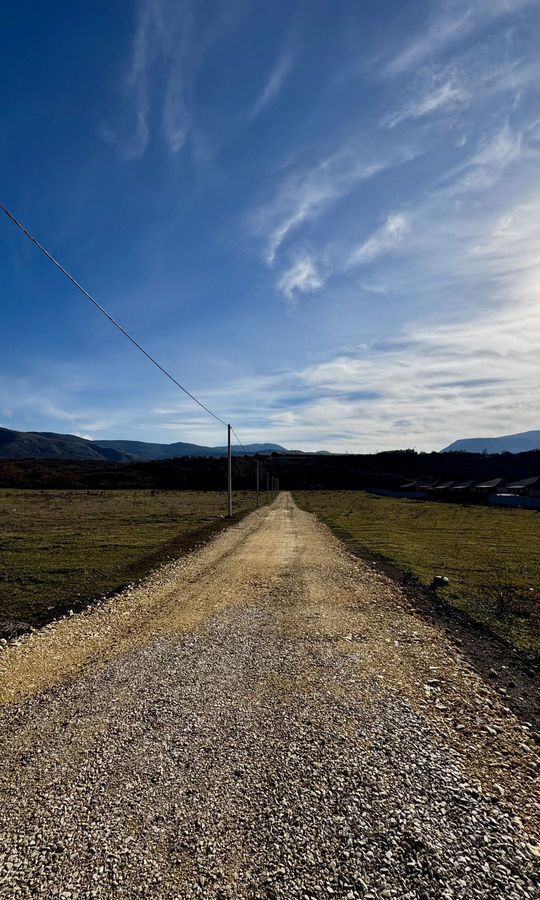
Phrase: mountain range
pixel 48 445
pixel 508 443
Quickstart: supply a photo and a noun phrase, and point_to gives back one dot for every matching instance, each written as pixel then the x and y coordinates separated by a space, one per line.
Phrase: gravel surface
pixel 304 735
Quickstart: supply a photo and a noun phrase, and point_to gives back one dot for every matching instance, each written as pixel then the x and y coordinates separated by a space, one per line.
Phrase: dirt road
pixel 265 718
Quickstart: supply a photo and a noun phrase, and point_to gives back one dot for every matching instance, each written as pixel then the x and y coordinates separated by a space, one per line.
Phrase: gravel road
pixel 266 718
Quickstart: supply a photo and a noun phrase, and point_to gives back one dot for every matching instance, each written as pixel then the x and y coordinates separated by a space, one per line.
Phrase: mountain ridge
pixel 50 445
pixel 521 442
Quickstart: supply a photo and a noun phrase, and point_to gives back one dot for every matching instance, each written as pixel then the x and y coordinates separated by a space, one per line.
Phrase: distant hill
pixel 508 443
pixel 48 445
pixel 142 450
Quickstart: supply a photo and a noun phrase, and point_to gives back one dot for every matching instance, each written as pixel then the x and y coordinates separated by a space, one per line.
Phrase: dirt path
pixel 265 718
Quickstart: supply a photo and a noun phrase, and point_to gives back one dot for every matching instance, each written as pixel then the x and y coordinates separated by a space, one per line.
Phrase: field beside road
pixel 491 556
pixel 60 549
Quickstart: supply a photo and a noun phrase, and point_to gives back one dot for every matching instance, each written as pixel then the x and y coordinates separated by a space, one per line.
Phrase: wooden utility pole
pixel 258 482
pixel 229 473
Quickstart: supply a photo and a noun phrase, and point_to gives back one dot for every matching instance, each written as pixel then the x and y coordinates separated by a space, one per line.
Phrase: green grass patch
pixel 491 556
pixel 60 549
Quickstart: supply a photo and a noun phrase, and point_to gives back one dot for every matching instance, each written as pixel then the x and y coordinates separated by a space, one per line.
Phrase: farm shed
pixel 488 487
pixel 525 487
pixel 441 491
pixel 462 487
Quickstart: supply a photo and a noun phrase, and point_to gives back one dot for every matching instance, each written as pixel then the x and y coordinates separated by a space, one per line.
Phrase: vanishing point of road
pixel 265 718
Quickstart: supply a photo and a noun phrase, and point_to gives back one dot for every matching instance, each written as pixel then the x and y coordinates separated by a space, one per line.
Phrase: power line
pixel 239 441
pixel 110 318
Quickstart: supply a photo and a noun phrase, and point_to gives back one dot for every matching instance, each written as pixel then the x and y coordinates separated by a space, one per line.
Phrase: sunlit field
pixel 62 548
pixel 491 556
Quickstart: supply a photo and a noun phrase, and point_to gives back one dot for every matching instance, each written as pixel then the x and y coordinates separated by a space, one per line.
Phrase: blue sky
pixel 323 218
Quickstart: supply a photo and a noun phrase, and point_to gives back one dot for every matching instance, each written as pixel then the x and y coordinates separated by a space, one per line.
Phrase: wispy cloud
pixel 444 96
pixel 136 86
pixel 307 194
pixel 423 388
pixel 436 219
pixel 474 79
pixel 167 49
pixel 274 83
pixel 302 277
pixel 487 164
pixel 459 370
pixel 385 238
pixel 177 117
pixel 442 381
pixel 452 21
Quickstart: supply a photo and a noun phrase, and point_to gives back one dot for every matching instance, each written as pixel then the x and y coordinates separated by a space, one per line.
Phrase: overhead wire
pixel 239 441
pixel 117 325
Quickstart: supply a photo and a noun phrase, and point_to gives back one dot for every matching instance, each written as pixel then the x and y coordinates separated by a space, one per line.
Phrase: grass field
pixel 59 549
pixel 491 556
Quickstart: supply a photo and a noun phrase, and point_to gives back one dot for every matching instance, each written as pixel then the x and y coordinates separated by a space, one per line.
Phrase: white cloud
pixel 470 367
pixel 442 97
pixel 453 20
pixel 301 277
pixel 137 82
pixel 446 381
pixel 383 240
pixel 274 84
pixel 426 384
pixel 374 287
pixel 167 50
pixel 431 385
pixel 486 165
pixel 177 118
pixel 307 194
pixel 438 228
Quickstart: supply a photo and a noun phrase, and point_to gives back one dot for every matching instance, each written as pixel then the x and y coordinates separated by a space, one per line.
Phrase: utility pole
pixel 258 482
pixel 229 473
pixel 267 482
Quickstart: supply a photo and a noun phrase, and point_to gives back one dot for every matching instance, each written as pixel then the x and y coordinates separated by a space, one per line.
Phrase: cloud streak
pixel 486 166
pixel 137 85
pixel 453 21
pixel 388 236
pixel 432 384
pixel 274 84
pixel 443 381
pixel 443 97
pixel 167 49
pixel 306 195
pixel 422 385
